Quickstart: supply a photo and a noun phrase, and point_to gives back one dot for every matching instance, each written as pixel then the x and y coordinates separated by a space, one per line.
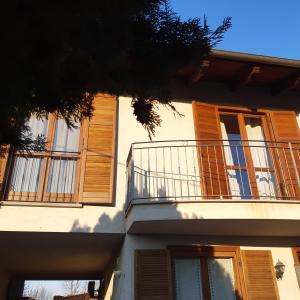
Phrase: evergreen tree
pixel 58 54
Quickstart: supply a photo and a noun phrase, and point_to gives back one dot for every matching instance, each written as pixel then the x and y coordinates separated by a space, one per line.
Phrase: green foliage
pixel 58 54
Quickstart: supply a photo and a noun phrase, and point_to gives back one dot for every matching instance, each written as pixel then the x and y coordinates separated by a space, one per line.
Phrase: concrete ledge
pixel 40 204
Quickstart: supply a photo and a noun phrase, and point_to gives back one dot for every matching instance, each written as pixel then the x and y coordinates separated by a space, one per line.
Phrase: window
pixel 51 175
pixel 205 273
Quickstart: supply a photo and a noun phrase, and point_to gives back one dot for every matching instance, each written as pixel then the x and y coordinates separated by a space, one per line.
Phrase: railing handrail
pixel 214 140
pixel 47 151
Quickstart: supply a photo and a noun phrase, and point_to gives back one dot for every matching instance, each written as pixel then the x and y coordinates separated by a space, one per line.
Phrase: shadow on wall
pixel 104 224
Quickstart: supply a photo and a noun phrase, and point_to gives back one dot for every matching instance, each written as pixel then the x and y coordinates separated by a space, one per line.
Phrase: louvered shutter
pixel 152 275
pixel 100 150
pixel 3 165
pixel 259 275
pixel 285 129
pixel 210 151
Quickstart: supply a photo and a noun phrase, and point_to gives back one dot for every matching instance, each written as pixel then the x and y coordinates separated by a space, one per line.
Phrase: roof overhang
pixel 237 70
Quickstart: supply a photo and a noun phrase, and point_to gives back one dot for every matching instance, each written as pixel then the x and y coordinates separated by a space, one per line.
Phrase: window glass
pixel 26 174
pixel 188 279
pixel 62 176
pixel 261 158
pixel 66 139
pixel 234 153
pixel 221 278
pixel 38 126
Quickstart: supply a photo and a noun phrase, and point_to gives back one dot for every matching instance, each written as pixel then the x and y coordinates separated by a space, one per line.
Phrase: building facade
pixel 209 209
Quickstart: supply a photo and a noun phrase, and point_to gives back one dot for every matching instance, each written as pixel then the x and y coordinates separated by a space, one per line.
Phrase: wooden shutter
pixel 98 167
pixel 285 129
pixel 3 163
pixel 259 275
pixel 210 151
pixel 152 280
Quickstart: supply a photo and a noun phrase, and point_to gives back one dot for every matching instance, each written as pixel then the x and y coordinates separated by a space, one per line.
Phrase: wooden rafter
pixel 244 77
pixel 199 73
pixel 290 82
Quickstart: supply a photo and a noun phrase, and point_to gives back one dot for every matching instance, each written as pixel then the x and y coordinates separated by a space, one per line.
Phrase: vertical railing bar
pixel 194 167
pixel 201 172
pixel 232 164
pixel 281 168
pixel 225 169
pixel 49 168
pixel 156 173
pixel 209 170
pixel 128 173
pixel 58 178
pixel 218 175
pixel 261 170
pixel 173 179
pixel 289 173
pixel 187 170
pixel 12 159
pixel 132 185
pixel 65 179
pixel 149 178
pixel 179 171
pixel 17 166
pixel 237 154
pixel 269 166
pixel 294 165
pixel 23 179
pixel 38 162
pixel 30 178
pixel 164 170
pixel 72 188
pixel 7 183
pixel 273 166
pixel 145 173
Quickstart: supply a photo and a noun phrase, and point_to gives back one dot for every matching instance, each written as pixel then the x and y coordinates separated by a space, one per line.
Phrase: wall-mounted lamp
pixel 279 269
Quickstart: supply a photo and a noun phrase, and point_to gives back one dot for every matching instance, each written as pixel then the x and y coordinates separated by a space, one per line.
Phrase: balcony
pixel 50 176
pixel 213 180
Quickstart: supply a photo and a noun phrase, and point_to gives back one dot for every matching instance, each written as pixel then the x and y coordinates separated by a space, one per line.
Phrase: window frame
pixel 296 255
pixel 42 195
pixel 204 252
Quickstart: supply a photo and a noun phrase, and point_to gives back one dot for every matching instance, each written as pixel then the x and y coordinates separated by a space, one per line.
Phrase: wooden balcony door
pixel 248 156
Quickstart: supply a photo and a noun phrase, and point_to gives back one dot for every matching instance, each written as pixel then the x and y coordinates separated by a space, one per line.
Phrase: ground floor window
pixel 205 273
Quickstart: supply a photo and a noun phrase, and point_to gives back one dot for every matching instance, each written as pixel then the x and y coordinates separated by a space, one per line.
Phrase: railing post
pixel 132 173
pixel 294 164
pixel 130 178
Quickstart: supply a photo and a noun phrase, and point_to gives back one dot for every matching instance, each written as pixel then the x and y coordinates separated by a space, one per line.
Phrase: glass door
pixel 247 156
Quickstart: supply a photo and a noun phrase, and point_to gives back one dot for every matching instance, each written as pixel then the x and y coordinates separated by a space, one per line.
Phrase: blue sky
pixel 266 27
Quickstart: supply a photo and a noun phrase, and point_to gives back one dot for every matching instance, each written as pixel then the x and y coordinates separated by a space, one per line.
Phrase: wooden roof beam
pixel 290 82
pixel 198 75
pixel 244 77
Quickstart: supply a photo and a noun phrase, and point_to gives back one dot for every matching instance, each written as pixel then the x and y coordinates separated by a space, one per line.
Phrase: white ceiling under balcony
pixel 57 255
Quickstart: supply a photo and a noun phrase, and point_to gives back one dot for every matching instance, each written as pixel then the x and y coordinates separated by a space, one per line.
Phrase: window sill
pixel 40 204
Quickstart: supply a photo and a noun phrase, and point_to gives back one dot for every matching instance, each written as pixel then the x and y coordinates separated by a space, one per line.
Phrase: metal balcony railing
pixel 192 170
pixel 48 176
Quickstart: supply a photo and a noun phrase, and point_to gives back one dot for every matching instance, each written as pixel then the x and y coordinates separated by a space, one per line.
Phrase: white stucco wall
pixel 62 219
pixel 173 127
pixel 124 285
